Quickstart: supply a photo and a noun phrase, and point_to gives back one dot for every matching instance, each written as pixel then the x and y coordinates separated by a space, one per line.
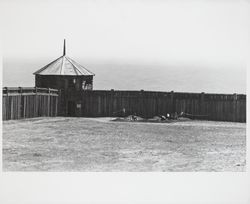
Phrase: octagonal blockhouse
pixel 67 76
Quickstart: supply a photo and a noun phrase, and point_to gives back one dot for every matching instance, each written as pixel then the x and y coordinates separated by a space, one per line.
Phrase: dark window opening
pixel 72 83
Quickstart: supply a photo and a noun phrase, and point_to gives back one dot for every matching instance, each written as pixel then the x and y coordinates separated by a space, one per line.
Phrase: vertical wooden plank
pixel 12 108
pixel 3 108
pixel 234 107
pixel 7 107
pixel 56 105
pixel 49 102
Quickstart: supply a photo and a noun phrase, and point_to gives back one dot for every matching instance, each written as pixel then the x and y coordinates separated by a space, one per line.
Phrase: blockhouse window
pixel 72 83
pixel 83 84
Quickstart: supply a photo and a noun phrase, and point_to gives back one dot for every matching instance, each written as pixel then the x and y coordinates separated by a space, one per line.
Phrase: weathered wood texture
pixel 18 103
pixel 98 103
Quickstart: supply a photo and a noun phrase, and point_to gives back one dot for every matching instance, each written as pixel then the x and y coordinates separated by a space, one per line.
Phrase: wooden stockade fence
pixel 98 103
pixel 26 102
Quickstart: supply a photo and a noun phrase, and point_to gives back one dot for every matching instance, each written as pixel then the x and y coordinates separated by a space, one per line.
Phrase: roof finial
pixel 64 48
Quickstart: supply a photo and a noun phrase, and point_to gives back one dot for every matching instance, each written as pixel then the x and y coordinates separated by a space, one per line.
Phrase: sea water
pixel 140 75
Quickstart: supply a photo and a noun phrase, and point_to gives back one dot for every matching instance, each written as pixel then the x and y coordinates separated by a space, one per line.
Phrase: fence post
pixel 6 105
pixel 20 105
pixel 111 106
pixel 36 104
pixel 48 101
pixel 143 110
pixel 58 102
pixel 234 107
pixel 173 102
pixel 202 107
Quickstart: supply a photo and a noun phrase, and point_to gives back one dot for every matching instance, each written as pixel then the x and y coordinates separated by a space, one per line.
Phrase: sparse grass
pixel 97 144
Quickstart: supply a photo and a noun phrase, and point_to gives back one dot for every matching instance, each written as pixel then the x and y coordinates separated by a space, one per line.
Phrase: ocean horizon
pixel 138 76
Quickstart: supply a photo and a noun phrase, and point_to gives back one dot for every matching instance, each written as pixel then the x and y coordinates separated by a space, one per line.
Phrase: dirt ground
pixel 98 144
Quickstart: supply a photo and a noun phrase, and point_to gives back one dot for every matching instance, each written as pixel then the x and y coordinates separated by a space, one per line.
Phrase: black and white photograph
pixel 124 86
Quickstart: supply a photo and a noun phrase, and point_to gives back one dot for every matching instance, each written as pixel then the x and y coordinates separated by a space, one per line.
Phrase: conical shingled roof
pixel 64 66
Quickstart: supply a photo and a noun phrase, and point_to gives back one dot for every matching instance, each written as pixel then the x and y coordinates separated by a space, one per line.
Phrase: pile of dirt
pixel 184 119
pixel 157 119
pixel 130 118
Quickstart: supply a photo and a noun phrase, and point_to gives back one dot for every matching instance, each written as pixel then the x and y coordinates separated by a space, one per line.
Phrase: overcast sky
pixel 180 33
